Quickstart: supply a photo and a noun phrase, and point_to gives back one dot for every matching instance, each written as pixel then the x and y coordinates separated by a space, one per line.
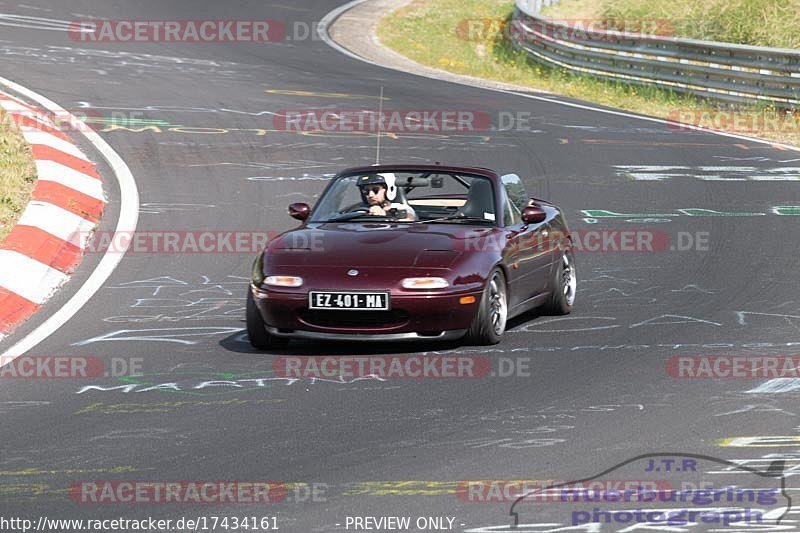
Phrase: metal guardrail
pixel 723 71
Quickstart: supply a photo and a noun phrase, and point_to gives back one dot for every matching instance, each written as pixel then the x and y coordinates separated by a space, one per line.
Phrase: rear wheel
pixel 490 320
pixel 565 285
pixel 257 330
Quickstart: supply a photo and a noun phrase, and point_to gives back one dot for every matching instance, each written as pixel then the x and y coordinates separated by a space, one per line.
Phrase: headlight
pixel 283 281
pixel 425 283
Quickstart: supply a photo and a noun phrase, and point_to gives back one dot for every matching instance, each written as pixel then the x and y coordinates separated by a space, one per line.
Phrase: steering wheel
pixel 355 208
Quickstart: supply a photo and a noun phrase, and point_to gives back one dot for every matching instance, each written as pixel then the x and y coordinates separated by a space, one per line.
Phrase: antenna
pixel 380 127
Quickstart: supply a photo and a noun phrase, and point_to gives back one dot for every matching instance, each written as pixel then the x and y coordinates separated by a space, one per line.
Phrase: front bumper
pixel 452 334
pixel 412 317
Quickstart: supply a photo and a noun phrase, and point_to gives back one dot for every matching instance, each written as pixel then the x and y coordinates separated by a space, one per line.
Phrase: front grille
pixel 337 318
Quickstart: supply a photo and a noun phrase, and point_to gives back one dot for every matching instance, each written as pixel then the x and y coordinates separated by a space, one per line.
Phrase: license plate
pixel 359 301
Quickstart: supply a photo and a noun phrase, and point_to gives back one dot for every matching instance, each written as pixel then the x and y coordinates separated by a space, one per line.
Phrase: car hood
pixel 373 245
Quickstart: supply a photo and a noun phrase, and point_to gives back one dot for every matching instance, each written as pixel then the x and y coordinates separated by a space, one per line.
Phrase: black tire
pixel 490 320
pixel 565 284
pixel 256 329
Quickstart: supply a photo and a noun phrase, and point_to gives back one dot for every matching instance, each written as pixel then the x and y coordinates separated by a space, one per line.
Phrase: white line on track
pixel 128 219
pixel 330 18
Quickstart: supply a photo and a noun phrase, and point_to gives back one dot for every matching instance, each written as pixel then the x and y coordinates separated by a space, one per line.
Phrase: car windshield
pixel 409 197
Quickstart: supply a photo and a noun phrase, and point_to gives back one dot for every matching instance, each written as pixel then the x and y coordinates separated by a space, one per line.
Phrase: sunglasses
pixel 373 190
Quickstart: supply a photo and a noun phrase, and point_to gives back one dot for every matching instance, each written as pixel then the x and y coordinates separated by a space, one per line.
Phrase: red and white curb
pixel 42 249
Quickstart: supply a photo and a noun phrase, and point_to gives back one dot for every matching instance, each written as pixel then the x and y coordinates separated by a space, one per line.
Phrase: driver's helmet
pixel 387 180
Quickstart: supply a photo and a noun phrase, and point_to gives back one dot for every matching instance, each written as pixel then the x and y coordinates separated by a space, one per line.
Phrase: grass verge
pixel 432 32
pixel 17 174
pixel 753 22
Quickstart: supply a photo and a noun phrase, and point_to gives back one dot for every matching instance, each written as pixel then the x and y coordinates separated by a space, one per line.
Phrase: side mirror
pixel 533 214
pixel 299 211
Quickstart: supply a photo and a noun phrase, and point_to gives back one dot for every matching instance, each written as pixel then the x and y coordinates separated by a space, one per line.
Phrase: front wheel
pixel 490 321
pixel 565 285
pixel 257 330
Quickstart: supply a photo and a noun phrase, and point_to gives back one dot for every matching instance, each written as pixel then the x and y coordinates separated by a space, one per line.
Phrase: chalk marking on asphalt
pixel 123 469
pixel 762 441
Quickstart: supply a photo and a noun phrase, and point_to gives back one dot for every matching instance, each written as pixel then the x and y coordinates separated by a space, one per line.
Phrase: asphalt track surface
pixel 597 393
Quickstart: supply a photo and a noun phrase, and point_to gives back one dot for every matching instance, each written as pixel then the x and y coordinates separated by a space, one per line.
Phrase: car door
pixel 529 249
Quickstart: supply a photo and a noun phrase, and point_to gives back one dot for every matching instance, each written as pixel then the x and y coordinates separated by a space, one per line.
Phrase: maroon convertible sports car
pixel 412 252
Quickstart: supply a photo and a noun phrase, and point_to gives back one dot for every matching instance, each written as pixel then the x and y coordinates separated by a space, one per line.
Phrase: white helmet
pixel 388 179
